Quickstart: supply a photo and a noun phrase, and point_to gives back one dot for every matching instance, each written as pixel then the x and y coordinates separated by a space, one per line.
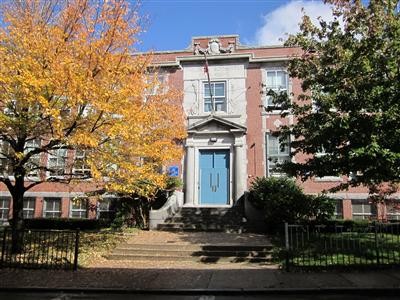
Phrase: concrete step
pixel 190 253
pixel 198 247
pixel 199 227
pixel 204 259
pixel 198 219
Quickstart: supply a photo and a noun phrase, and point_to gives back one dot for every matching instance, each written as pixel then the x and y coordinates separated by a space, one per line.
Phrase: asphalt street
pixel 355 295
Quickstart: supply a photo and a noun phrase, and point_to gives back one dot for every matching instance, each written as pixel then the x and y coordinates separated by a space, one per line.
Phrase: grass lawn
pixel 45 248
pixel 346 249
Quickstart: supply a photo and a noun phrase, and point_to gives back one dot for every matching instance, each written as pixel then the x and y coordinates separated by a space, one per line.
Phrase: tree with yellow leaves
pixel 69 79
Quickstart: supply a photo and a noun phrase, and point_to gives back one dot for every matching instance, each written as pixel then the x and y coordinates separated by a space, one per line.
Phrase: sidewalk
pixel 172 276
pixel 197 279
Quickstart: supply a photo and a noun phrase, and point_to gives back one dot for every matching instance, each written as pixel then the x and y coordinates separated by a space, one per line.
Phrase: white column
pixel 189 175
pixel 240 170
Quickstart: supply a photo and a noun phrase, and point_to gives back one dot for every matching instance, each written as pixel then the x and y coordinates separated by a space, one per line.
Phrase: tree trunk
pixel 17 224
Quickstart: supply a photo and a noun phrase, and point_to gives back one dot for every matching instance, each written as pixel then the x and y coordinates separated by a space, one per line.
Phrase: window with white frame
pixel 156 85
pixel 158 80
pixel 106 208
pixel 79 208
pixel 362 209
pixel 4 208
pixel 81 167
pixel 278 82
pixel 218 92
pixel 277 153
pixel 52 208
pixel 56 162
pixel 34 161
pixel 29 207
pixel 338 214
pixel 393 210
pixel 320 154
pixel 5 162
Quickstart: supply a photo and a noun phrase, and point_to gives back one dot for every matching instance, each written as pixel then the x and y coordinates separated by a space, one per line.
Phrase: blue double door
pixel 214 177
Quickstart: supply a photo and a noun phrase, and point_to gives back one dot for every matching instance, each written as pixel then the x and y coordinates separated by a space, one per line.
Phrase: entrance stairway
pixel 206 219
pixel 173 248
pixel 193 253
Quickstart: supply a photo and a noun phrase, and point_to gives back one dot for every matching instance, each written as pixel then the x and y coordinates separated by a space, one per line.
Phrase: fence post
pixel 376 243
pixel 287 246
pixel 3 246
pixel 75 267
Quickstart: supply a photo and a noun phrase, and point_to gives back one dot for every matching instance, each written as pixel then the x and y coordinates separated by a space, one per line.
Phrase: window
pixel 56 162
pixel 34 161
pixel 4 208
pixel 218 91
pixel 332 177
pixel 81 168
pixel 277 81
pixel 29 207
pixel 156 84
pixel 106 209
pixel 5 162
pixel 52 208
pixel 277 153
pixel 338 214
pixel 362 209
pixel 393 211
pixel 79 208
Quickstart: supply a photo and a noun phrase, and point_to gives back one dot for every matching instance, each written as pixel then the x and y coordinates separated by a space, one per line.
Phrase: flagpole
pixel 209 84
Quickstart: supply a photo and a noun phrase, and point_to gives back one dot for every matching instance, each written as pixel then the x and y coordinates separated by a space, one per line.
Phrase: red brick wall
pixel 254 135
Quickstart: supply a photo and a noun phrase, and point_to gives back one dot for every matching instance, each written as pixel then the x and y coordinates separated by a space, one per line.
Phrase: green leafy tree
pixel 349 110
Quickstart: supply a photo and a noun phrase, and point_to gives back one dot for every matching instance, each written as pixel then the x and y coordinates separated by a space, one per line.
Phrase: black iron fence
pixel 323 246
pixel 53 249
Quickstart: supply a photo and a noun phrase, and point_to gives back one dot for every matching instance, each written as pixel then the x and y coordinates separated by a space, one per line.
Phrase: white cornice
pixel 249 56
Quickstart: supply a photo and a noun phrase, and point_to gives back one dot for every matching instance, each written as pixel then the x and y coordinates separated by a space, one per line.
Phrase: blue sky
pixel 170 24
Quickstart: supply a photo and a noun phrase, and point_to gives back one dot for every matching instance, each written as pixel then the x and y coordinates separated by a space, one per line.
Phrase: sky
pixel 170 24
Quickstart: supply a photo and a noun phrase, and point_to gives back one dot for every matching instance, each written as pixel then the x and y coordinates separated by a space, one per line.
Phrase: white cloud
pixel 286 18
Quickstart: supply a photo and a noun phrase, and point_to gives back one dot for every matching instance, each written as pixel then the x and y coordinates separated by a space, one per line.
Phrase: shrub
pixel 284 201
pixel 173 183
pixel 64 223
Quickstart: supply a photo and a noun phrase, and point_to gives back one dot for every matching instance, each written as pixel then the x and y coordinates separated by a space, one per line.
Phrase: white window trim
pixel 4 208
pixel 30 209
pixel 51 211
pixel 83 170
pixel 108 210
pixel 80 210
pixel 161 87
pixel 327 178
pixel 288 88
pixel 36 143
pixel 8 174
pixel 363 214
pixel 49 156
pixel 335 213
pixel 268 162
pixel 394 215
pixel 203 102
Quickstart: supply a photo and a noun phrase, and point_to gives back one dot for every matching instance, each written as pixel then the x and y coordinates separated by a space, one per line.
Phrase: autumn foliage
pixel 70 78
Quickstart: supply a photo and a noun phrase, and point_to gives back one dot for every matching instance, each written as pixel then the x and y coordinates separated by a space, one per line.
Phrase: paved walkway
pixel 204 238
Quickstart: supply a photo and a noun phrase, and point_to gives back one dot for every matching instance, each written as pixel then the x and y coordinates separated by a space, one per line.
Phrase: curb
pixel 272 291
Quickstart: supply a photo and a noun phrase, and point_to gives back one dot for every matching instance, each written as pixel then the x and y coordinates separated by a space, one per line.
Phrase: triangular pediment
pixel 216 124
